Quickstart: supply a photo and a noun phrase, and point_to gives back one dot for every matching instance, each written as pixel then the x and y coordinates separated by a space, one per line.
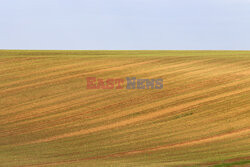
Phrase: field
pixel 201 117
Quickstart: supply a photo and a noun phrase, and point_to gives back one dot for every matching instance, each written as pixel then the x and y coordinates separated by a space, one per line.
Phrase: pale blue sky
pixel 125 24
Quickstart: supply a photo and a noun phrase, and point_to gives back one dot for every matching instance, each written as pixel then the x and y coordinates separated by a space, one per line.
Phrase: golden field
pixel 200 118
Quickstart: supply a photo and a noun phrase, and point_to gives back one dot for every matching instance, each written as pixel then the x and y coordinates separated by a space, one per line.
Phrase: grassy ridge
pixel 49 118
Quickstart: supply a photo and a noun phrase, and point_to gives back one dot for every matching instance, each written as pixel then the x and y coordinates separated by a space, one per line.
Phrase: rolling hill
pixel 48 117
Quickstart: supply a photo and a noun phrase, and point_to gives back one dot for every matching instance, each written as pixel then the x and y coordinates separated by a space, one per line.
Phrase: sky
pixel 125 24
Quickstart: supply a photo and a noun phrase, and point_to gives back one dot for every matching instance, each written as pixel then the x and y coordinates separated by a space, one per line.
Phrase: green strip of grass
pixel 233 164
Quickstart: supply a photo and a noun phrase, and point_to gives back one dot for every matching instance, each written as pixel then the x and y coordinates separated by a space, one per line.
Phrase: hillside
pixel 48 117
